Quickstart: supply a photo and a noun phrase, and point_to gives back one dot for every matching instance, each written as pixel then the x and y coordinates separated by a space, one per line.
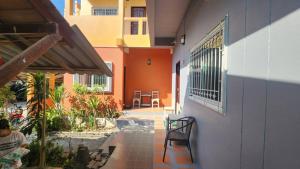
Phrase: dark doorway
pixel 124 88
pixel 177 88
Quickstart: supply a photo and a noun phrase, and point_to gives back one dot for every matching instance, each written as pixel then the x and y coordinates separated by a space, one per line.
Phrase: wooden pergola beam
pixel 61 70
pixel 49 12
pixel 56 59
pixel 18 63
pixel 13 29
pixel 10 52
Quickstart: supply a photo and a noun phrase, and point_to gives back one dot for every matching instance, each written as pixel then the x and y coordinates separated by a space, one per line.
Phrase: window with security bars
pixel 105 11
pixel 206 78
pixel 92 80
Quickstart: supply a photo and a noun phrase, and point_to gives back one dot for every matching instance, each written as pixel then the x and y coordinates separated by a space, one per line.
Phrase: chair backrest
pixel 190 121
pixel 155 94
pixel 137 94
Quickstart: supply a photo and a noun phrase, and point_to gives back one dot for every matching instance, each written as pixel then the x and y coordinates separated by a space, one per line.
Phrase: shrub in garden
pixel 93 103
pixel 54 155
pixel 109 107
pixel 89 104
pixel 59 123
pixel 57 119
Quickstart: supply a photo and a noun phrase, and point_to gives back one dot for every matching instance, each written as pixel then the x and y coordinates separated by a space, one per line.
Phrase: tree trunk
pixel 95 121
pixel 43 141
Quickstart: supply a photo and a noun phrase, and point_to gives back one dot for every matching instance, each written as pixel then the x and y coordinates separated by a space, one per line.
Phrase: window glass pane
pixel 206 68
pixel 105 11
pixel 93 80
pixel 100 80
pixel 76 78
pixel 134 28
pixel 138 12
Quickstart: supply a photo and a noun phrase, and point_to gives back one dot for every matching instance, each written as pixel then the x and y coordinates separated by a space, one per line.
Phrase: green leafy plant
pixel 57 95
pixel 93 103
pixel 54 153
pixel 59 123
pixel 57 120
pixel 35 87
pixel 80 89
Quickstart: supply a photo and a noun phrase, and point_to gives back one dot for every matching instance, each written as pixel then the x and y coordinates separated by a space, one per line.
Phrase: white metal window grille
pixel 206 69
pixel 92 80
pixel 105 11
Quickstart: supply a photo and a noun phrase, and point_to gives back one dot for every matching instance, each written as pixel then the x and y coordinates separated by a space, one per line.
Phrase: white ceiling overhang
pixel 165 17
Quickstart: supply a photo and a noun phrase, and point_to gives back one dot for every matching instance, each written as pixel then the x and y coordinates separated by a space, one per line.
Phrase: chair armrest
pixel 176 120
pixel 179 128
pixel 182 119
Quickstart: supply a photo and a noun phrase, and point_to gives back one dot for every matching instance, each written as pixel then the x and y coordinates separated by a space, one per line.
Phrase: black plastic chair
pixel 180 134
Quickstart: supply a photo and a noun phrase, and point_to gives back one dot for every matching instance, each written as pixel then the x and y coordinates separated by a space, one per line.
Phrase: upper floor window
pixel 92 80
pixel 134 25
pixel 138 11
pixel 105 11
pixel 206 78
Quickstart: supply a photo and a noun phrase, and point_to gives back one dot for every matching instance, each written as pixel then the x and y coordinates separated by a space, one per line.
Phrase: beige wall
pixel 99 30
pixel 132 3
pixel 109 31
pixel 87 5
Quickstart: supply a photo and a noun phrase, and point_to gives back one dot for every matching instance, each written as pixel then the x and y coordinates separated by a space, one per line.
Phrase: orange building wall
pixel 156 76
pixel 114 55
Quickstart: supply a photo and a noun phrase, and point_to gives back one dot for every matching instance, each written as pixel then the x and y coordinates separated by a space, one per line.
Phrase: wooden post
pixel 14 66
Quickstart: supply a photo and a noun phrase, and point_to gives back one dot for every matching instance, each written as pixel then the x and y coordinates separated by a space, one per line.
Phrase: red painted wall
pixel 114 55
pixel 157 76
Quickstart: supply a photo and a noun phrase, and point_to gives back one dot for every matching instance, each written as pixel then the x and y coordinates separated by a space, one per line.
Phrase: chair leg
pixel 189 147
pixel 165 150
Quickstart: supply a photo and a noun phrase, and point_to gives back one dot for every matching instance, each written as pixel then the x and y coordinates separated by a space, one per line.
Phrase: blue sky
pixel 59 5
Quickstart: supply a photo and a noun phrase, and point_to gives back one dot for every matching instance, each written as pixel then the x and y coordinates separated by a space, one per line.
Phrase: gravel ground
pixel 93 140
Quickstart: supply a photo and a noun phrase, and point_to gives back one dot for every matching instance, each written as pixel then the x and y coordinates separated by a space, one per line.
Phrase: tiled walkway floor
pixel 177 157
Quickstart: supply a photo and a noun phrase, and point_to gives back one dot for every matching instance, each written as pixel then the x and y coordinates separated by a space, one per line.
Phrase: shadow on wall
pixel 260 128
pixel 242 24
pixel 265 13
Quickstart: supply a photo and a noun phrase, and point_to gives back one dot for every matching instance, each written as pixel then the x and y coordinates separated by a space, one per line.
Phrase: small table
pixel 143 95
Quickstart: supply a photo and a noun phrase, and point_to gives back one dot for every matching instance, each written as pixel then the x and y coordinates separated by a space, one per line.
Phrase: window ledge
pixel 213 105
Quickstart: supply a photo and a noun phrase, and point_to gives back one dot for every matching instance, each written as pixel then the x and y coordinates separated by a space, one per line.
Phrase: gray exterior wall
pixel 261 128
